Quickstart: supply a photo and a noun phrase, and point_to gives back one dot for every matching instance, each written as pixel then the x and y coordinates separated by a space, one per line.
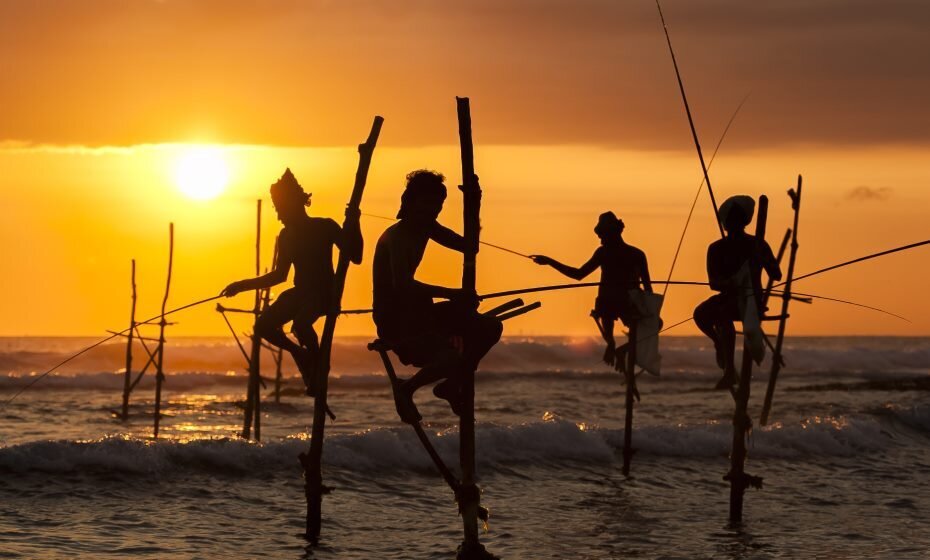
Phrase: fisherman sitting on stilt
pixel 623 268
pixel 734 268
pixel 445 339
pixel 307 244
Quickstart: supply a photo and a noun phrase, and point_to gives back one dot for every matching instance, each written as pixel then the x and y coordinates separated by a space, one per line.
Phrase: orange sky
pixel 575 110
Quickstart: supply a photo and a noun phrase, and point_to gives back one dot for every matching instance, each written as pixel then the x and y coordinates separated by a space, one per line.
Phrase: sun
pixel 201 173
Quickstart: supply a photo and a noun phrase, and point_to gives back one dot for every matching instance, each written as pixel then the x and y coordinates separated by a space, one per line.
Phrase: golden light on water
pixel 201 172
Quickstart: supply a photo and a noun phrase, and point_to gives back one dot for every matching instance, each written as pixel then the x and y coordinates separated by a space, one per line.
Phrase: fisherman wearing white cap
pixel 734 268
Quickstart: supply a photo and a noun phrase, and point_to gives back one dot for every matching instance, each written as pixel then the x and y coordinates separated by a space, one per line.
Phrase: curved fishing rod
pixel 505 249
pixel 697 194
pixel 684 98
pixel 558 287
pixel 860 259
pixel 103 341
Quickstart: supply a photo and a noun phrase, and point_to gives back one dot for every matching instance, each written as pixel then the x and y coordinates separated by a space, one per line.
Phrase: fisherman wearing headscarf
pixel 307 244
pixel 734 269
pixel 623 268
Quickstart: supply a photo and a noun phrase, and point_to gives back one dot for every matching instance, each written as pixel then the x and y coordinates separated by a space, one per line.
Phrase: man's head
pixel 609 226
pixel 289 198
pixel 736 212
pixel 423 196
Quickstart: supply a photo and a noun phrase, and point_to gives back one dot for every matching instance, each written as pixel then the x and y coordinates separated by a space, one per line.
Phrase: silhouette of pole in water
pixel 277 354
pixel 469 493
pixel 253 400
pixel 630 374
pixel 162 323
pixel 127 380
pixel 785 300
pixel 737 476
pixel 312 461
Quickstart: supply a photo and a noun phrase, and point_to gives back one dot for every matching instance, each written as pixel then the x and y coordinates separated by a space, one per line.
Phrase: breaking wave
pixel 549 442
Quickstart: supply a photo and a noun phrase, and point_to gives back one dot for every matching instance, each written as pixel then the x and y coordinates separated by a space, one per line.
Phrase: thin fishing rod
pixel 697 194
pixel 102 341
pixel 860 259
pixel 847 302
pixel 684 98
pixel 555 287
pixel 505 249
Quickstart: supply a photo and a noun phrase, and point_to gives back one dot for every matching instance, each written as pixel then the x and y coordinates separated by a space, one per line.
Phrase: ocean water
pixel 845 460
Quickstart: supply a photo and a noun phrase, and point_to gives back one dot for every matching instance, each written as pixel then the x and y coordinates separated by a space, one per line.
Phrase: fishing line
pixel 860 259
pixel 505 249
pixel 700 188
pixel 102 341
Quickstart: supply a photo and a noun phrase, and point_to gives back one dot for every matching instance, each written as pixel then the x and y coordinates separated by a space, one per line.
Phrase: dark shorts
pixel 613 307
pixel 426 338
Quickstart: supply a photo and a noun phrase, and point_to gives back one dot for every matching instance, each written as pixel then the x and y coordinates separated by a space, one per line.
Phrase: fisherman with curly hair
pixel 445 339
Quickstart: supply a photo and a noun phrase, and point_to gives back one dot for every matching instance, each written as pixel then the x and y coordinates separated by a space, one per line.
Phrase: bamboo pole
pixel 127 380
pixel 277 354
pixel 253 394
pixel 785 300
pixel 313 459
pixel 160 351
pixel 470 495
pixel 737 476
pixel 630 371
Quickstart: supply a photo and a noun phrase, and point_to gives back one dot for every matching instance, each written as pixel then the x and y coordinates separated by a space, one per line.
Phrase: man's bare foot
pixel 451 392
pixel 727 381
pixel 403 402
pixel 306 364
pixel 610 355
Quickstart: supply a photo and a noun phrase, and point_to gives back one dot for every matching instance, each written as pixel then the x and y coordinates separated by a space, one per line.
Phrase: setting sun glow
pixel 201 173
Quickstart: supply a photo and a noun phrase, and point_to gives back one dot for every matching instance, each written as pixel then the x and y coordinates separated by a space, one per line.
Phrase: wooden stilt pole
pixel 630 374
pixel 742 424
pixel 312 460
pixel 470 495
pixel 785 299
pixel 127 379
pixel 277 354
pixel 278 357
pixel 162 323
pixel 253 394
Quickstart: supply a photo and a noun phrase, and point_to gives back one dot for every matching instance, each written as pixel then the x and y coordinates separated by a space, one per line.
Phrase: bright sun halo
pixel 201 173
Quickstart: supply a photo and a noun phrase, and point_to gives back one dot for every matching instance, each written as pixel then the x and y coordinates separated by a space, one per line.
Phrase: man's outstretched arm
pixel 276 276
pixel 570 271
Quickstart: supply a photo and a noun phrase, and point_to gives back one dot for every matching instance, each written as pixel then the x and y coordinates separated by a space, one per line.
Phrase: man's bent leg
pixel 270 323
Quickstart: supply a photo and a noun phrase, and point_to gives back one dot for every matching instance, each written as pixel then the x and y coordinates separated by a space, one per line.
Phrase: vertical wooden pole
pixel 785 299
pixel 253 394
pixel 737 476
pixel 276 355
pixel 160 352
pixel 312 461
pixel 470 496
pixel 630 374
pixel 127 380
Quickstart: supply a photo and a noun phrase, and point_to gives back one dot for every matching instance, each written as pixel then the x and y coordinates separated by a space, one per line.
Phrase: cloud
pixel 592 72
pixel 864 193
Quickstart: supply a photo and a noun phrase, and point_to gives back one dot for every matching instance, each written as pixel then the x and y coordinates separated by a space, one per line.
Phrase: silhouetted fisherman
pixel 734 268
pixel 307 244
pixel 623 268
pixel 445 339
